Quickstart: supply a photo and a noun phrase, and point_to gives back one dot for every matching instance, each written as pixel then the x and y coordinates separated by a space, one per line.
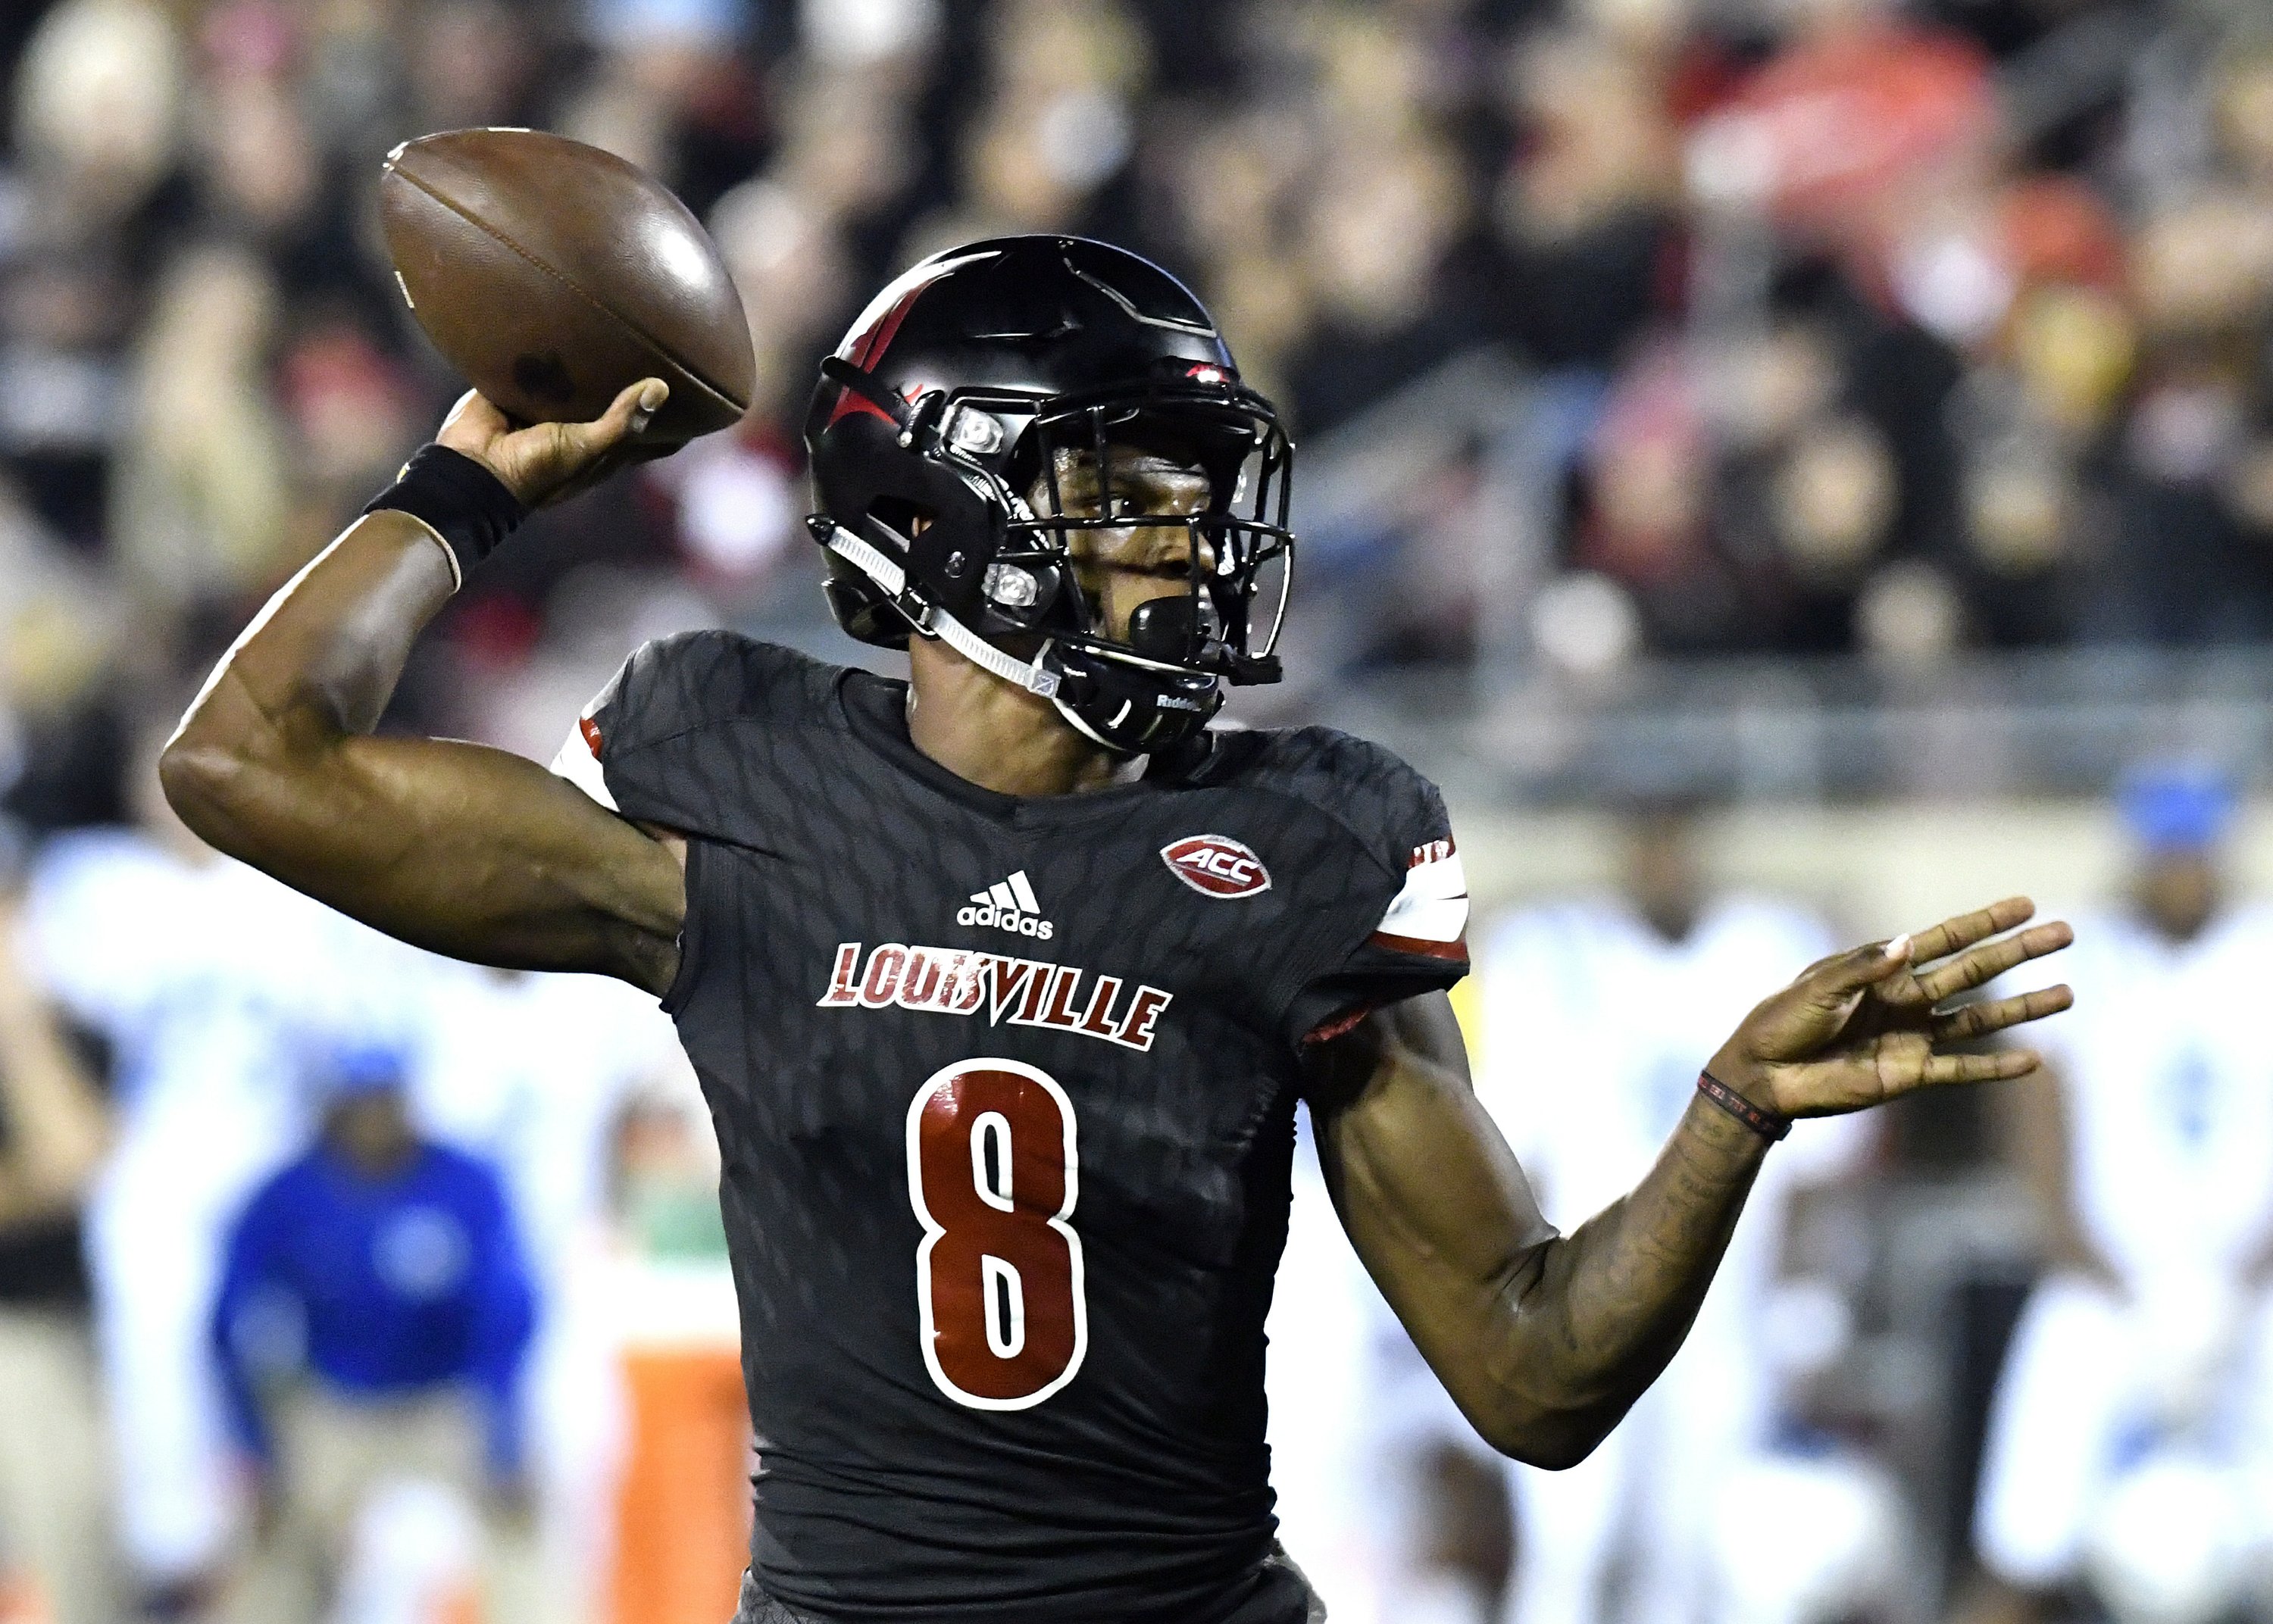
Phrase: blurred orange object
pixel 2057 230
pixel 682 1512
pixel 21 1603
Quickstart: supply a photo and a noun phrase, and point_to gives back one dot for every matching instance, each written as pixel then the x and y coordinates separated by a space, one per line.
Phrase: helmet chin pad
pixel 1165 629
pixel 1132 709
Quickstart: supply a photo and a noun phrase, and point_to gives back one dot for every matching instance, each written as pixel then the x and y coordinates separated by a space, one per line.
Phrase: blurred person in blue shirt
pixel 373 1325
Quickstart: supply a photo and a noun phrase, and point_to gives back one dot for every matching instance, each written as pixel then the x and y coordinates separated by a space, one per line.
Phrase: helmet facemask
pixel 1237 551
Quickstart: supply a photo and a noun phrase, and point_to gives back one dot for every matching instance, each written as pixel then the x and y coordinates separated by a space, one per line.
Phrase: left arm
pixel 1545 1340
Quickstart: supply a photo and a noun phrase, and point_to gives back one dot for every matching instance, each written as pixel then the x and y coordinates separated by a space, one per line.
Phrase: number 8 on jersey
pixel 994 1174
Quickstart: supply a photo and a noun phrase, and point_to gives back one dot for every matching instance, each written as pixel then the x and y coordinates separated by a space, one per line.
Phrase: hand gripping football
pixel 553 274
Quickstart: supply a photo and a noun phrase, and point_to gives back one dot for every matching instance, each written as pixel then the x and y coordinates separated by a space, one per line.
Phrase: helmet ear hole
pixel 1022 469
pixel 900 516
pixel 861 607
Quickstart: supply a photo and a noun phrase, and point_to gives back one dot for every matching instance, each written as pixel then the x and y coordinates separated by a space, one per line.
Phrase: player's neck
pixel 1001 737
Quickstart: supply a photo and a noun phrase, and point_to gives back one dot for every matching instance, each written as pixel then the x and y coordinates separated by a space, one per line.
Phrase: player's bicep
pixel 482 855
pixel 1432 1198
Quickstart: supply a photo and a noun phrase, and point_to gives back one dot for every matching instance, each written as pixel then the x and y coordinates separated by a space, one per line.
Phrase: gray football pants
pixel 1284 1597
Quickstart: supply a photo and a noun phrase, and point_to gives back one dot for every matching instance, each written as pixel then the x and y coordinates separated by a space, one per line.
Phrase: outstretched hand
pixel 1862 1028
pixel 545 461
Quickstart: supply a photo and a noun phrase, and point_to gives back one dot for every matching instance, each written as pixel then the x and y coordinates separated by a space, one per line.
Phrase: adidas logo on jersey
pixel 1009 905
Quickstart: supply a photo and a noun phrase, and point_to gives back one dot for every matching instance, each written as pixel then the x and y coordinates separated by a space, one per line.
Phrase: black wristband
pixel 1768 1124
pixel 456 497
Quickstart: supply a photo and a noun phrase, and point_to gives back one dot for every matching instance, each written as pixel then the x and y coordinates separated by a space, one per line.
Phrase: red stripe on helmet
pixel 848 403
pixel 867 348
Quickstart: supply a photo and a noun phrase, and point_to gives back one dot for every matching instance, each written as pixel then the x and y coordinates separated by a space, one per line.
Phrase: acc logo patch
pixel 1216 865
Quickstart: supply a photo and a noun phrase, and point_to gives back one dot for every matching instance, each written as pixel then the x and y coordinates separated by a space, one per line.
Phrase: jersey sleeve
pixel 1393 906
pixel 678 738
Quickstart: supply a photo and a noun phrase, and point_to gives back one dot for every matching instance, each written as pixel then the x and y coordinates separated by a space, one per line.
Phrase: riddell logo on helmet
pixel 1216 865
pixel 1009 905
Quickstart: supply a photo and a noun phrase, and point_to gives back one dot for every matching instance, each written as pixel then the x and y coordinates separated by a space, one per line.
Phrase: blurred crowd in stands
pixel 1804 326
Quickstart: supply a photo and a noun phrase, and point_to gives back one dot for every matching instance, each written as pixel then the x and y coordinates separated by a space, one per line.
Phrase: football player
pixel 2131 1402
pixel 1004 982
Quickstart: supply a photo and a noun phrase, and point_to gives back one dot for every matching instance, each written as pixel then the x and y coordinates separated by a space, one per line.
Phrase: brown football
pixel 552 274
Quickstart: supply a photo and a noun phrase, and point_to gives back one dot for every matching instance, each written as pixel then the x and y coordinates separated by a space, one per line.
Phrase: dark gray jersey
pixel 1005 1091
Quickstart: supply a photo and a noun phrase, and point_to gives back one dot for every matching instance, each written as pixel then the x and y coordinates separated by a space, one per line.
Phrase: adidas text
pixel 1024 924
pixel 1009 905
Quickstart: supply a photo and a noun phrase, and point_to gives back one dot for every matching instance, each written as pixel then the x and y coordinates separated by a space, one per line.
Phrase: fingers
pixel 653 391
pixel 2001 1066
pixel 566 458
pixel 1844 974
pixel 626 415
pixel 1989 959
pixel 1966 929
pixel 1979 1019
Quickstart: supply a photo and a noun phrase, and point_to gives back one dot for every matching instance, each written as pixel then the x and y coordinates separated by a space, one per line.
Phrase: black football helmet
pixel 937 432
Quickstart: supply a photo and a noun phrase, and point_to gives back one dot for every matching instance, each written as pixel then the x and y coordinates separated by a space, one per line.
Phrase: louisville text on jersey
pixel 959 981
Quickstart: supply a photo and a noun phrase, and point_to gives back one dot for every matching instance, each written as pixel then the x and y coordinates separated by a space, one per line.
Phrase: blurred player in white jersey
pixel 1325 1316
pixel 534 1073
pixel 203 974
pixel 2128 1448
pixel 56 1556
pixel 1628 989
